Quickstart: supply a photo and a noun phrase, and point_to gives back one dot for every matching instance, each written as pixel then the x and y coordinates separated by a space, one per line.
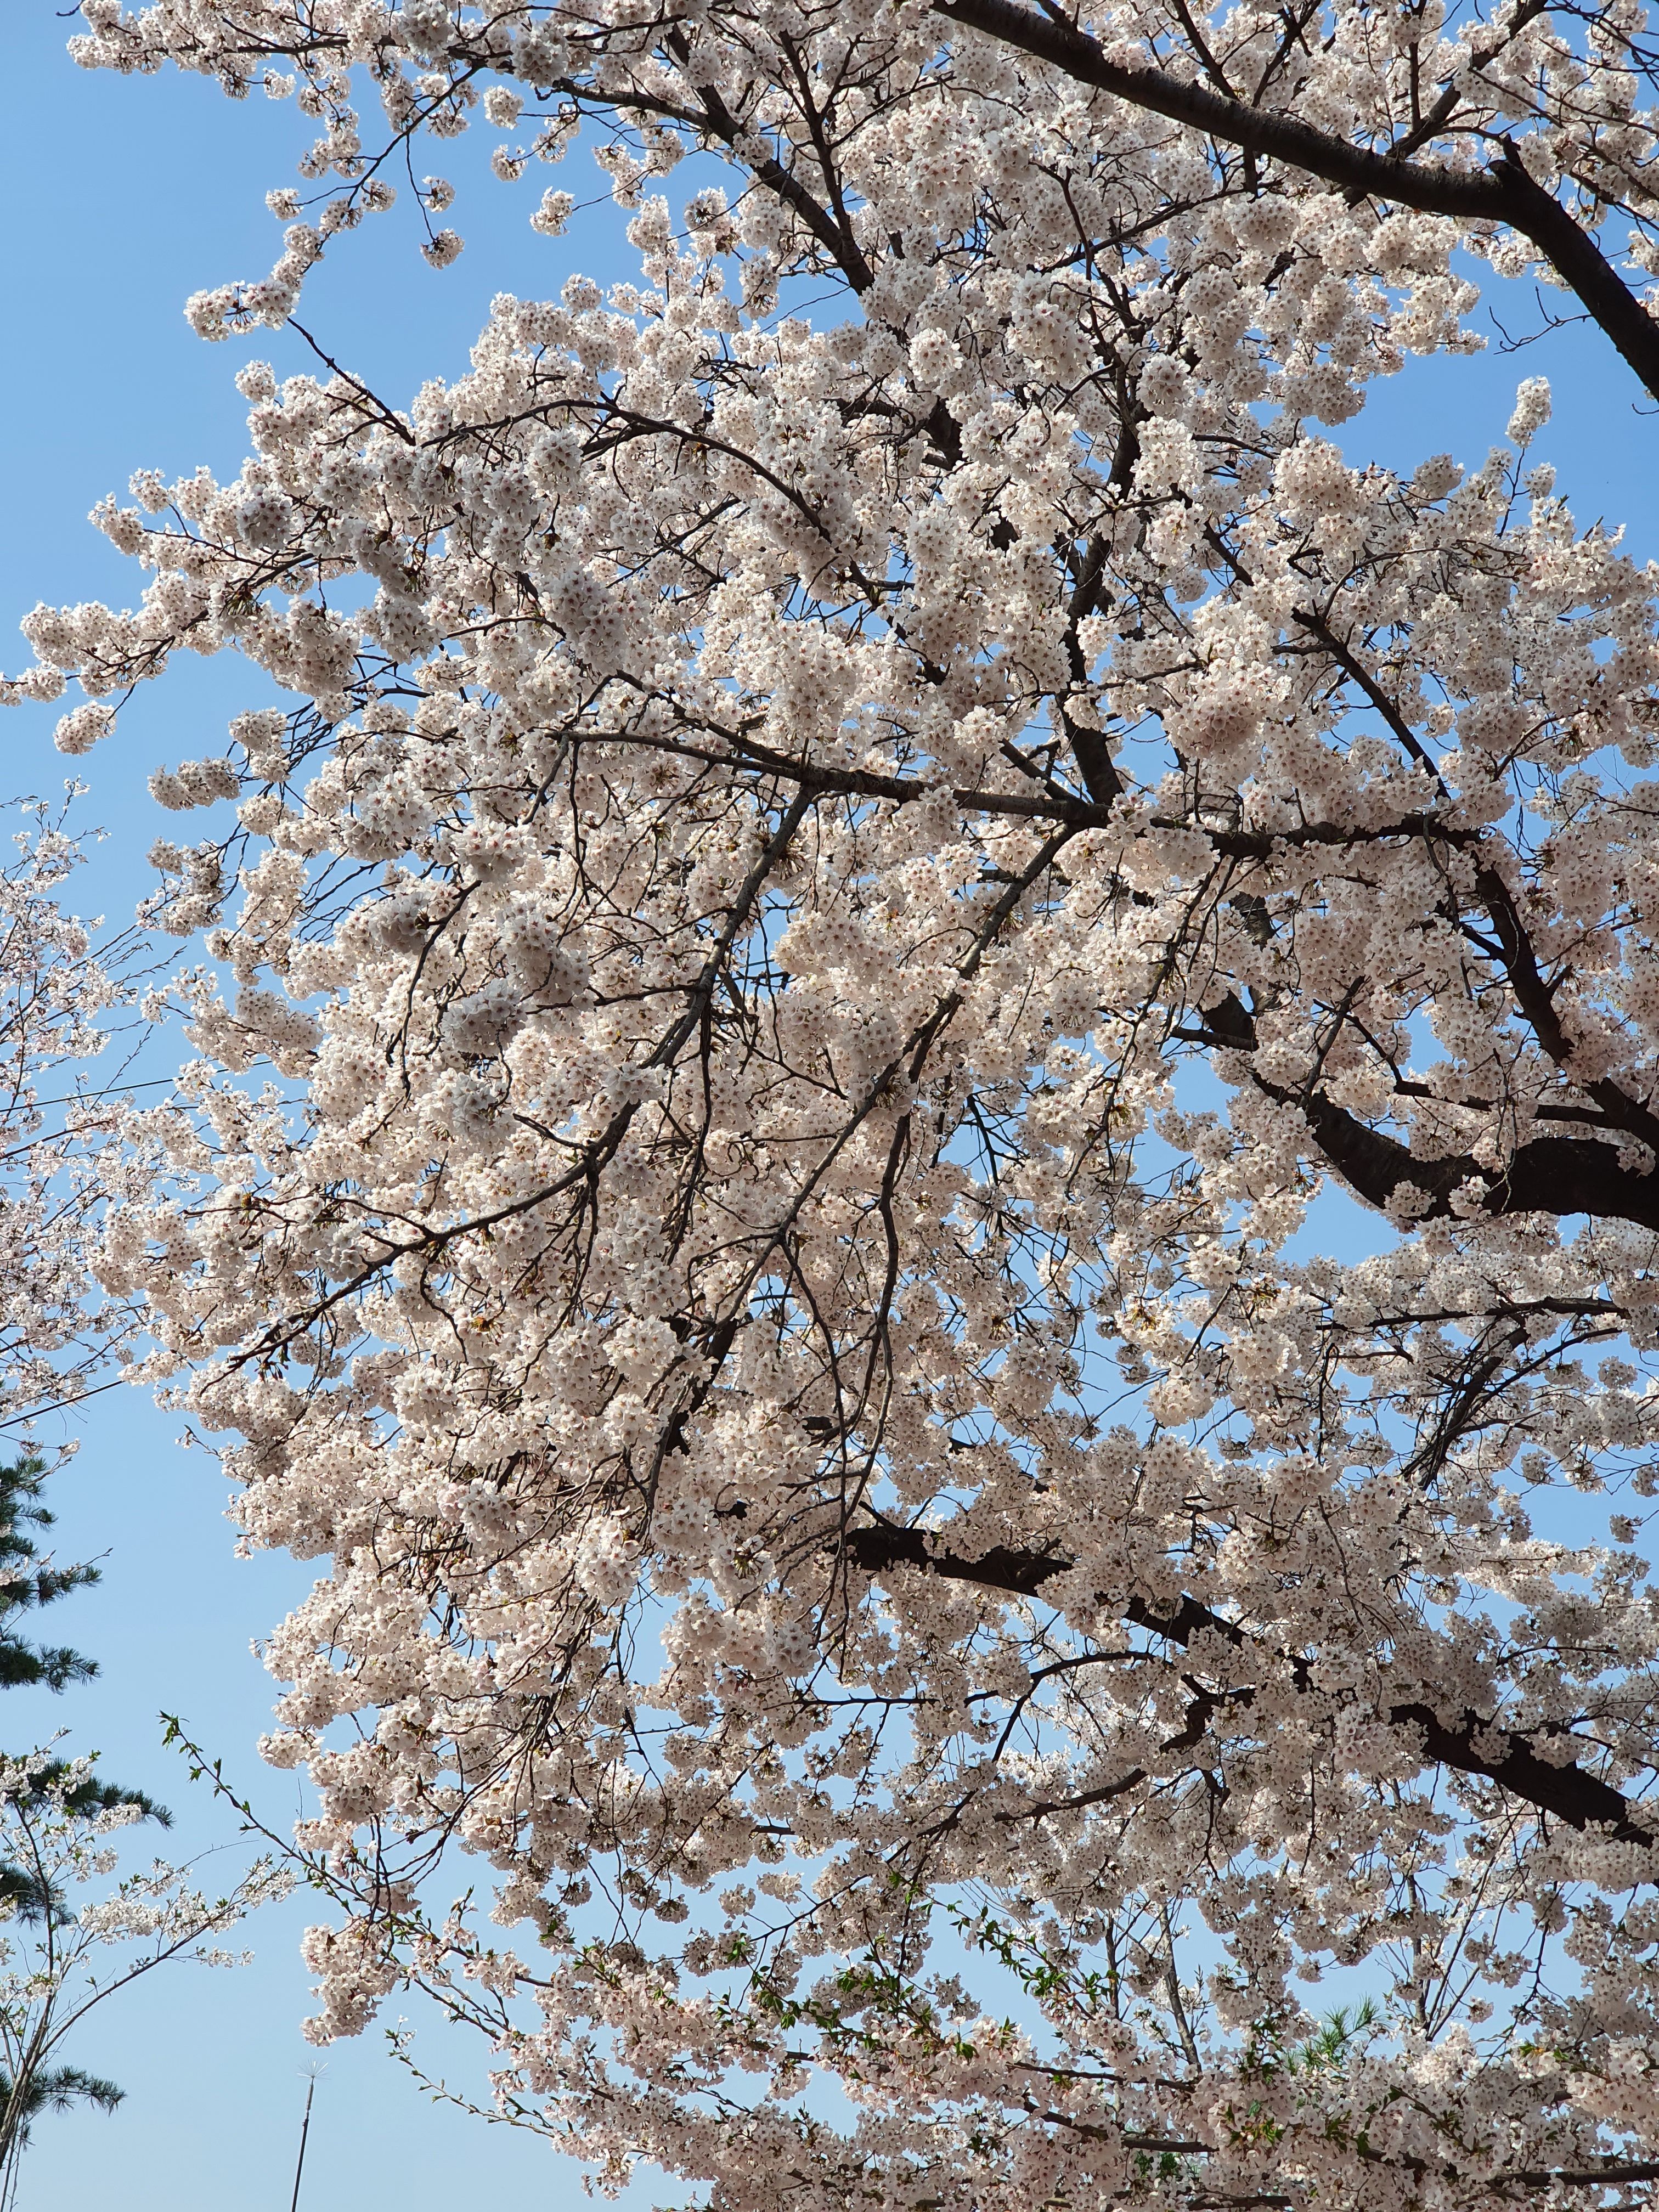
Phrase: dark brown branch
pixel 1470 1744
pixel 1536 999
pixel 836 237
pixel 1547 1175
pixel 1503 193
pixel 1534 995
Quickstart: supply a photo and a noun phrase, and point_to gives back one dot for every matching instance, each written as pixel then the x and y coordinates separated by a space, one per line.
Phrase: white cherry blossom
pixel 834 885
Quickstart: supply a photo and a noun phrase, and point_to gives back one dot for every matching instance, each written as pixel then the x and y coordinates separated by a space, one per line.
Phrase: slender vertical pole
pixel 304 2130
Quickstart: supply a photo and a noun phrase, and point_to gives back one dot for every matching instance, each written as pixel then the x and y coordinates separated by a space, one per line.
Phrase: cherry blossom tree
pixel 856 830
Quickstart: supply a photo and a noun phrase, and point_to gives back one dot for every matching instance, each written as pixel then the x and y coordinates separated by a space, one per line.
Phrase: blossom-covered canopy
pixel 854 833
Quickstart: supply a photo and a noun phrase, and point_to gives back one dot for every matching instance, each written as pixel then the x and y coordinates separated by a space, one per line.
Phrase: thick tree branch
pixel 1503 193
pixel 1547 1175
pixel 1469 1744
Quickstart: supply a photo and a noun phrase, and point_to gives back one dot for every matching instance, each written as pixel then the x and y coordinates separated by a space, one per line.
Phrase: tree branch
pixel 1506 193
pixel 1471 1744
pixel 1555 1175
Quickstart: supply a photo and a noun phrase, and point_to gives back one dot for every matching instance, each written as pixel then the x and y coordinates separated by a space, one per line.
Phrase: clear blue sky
pixel 124 197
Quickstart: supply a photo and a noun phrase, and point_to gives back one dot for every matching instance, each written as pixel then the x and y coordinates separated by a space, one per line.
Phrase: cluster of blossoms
pixel 836 888
pixel 56 987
